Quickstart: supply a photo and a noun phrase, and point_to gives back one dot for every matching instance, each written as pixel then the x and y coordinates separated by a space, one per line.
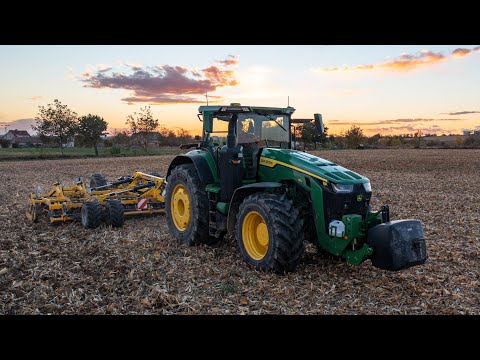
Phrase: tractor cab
pixel 236 136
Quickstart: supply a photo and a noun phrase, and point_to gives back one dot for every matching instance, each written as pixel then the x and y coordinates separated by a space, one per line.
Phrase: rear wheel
pixel 186 206
pixel 269 233
pixel 97 180
pixel 113 213
pixel 91 214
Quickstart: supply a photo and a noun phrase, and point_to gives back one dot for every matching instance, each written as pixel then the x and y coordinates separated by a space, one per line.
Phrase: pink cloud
pixel 162 84
pixel 406 62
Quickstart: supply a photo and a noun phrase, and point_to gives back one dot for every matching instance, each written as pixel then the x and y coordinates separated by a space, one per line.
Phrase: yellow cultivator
pixel 139 194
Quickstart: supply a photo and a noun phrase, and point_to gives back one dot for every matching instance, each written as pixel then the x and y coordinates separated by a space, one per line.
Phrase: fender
pixel 241 193
pixel 201 165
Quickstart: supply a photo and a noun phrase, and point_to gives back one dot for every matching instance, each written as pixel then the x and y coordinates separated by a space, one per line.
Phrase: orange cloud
pixel 461 52
pixel 405 62
pixel 389 122
pixel 163 84
pixel 232 60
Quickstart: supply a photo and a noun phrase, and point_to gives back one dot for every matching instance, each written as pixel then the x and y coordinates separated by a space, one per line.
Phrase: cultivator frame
pixel 140 194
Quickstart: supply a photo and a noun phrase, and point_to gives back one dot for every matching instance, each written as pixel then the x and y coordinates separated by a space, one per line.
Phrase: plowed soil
pixel 140 269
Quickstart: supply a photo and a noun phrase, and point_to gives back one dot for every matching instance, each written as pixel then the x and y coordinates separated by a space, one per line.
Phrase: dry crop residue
pixel 141 269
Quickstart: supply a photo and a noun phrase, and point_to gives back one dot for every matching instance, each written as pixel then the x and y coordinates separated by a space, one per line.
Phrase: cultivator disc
pixel 33 209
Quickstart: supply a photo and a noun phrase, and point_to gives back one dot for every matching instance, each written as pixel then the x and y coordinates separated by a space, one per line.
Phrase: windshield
pixel 267 130
pixel 272 129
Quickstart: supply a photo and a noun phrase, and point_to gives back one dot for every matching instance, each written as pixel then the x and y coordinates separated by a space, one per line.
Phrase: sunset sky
pixel 386 89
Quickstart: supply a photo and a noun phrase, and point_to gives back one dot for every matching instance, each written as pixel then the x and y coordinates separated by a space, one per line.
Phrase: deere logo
pixel 266 162
pixel 359 198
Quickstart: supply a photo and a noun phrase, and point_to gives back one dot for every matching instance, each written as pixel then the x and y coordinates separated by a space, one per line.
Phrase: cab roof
pixel 247 109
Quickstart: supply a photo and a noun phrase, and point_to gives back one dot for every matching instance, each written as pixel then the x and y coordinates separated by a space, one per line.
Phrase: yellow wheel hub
pixel 180 207
pixel 255 235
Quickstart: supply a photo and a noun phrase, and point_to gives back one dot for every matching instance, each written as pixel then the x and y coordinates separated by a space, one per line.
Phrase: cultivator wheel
pixel 97 180
pixel 33 210
pixel 91 214
pixel 113 213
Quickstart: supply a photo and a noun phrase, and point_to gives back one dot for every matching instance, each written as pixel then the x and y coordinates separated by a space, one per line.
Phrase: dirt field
pixel 140 269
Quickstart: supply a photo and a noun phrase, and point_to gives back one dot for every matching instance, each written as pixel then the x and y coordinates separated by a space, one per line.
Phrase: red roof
pixel 20 133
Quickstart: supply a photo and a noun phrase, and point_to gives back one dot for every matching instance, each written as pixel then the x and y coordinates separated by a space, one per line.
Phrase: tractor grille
pixel 337 205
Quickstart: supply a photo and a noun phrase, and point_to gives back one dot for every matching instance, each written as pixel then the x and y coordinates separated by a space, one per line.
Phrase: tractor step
pixel 216 221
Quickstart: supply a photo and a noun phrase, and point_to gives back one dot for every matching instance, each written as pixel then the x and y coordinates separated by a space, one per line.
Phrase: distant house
pixel 21 138
pixel 153 138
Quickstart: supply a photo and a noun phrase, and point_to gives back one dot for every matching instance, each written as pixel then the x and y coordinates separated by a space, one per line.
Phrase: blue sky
pixel 388 89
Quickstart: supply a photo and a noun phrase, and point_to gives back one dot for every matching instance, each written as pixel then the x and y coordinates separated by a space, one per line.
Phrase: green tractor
pixel 243 178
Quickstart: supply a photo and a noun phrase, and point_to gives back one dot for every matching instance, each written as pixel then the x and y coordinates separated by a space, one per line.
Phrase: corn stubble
pixel 140 269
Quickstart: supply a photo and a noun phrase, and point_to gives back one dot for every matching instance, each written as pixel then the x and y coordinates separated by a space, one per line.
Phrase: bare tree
pixel 183 135
pixel 142 125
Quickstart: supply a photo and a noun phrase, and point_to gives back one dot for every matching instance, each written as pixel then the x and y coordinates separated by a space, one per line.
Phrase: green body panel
pixel 311 172
pixel 223 207
pixel 307 163
pixel 210 161
pixel 213 188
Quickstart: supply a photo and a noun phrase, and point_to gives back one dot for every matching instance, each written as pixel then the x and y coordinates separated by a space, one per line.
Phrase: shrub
pixel 115 150
pixel 4 143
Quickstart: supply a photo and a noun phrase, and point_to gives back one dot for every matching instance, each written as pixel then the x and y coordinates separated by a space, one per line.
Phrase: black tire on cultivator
pixel 97 180
pixel 113 213
pixel 91 214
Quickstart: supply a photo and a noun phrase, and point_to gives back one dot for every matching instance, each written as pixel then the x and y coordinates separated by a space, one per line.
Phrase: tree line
pixel 354 138
pixel 56 123
pixel 59 124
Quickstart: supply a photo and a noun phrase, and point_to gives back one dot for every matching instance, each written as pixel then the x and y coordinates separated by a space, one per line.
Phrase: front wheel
pixel 269 233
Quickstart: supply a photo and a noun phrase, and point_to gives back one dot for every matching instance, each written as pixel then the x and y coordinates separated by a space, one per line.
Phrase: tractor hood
pixel 310 165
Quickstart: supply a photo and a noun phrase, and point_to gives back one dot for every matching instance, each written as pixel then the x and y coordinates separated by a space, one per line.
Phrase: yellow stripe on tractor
pixel 272 163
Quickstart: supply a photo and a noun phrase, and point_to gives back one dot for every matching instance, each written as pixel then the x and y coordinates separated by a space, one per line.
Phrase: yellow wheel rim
pixel 180 207
pixel 255 235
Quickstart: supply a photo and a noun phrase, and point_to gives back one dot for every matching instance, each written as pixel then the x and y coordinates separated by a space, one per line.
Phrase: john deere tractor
pixel 243 178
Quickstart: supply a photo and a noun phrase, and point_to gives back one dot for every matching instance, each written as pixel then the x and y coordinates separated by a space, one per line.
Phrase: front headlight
pixel 340 188
pixel 367 186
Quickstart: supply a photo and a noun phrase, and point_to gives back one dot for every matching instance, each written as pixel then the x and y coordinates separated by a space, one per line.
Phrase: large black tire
pixel 196 231
pixel 113 213
pixel 97 180
pixel 285 245
pixel 91 214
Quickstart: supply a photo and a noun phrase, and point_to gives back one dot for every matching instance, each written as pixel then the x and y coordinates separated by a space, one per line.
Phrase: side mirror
pixel 197 137
pixel 319 123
